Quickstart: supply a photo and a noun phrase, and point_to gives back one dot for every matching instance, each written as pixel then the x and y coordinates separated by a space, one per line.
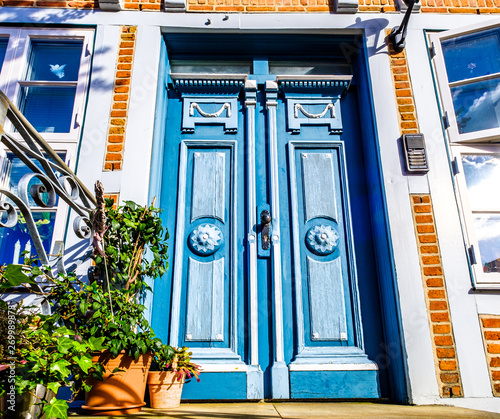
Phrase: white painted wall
pixel 468 337
pixel 93 141
pixel 133 181
pixel 140 125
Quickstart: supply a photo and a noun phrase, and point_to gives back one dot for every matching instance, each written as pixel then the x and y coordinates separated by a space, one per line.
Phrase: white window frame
pixel 15 67
pixel 12 78
pixel 487 135
pixel 482 280
pixel 476 143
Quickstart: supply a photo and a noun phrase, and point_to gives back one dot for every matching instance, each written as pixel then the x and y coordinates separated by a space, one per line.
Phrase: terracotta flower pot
pixel 164 389
pixel 122 392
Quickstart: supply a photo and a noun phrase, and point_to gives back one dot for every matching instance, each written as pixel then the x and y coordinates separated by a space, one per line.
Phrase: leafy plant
pixel 178 360
pixel 130 234
pixel 49 357
pixel 85 309
pixel 88 317
pixel 44 351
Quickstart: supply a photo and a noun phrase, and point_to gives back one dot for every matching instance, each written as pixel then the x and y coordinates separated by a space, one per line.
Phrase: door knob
pixel 265 223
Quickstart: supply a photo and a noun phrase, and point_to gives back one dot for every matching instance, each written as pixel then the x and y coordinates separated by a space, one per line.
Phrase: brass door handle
pixel 265 225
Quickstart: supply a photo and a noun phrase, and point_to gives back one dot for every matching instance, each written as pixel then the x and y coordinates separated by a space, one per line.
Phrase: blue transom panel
pixel 314 101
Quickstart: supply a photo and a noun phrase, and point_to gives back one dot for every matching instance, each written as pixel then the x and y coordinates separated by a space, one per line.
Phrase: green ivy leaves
pixel 14 276
pixel 56 409
pixel 135 244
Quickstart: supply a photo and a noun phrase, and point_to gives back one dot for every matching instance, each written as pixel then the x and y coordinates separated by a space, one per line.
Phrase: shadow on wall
pixel 373 30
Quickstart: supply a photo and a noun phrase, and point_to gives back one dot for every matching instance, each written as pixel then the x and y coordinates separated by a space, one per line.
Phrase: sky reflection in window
pixel 477 106
pixel 482 174
pixel 473 55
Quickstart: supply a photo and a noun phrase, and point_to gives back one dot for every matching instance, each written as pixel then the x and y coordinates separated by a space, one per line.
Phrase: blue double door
pixel 271 281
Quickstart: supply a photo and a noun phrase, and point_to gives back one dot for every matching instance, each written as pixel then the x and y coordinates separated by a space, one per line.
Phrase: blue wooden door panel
pixel 264 323
pixel 205 289
pixel 334 384
pixel 217 386
pixel 326 300
pixel 318 186
pixel 208 186
pixel 325 280
pixel 204 258
pixel 329 349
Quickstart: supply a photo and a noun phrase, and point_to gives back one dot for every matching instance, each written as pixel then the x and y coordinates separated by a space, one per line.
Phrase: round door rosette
pixel 322 239
pixel 205 239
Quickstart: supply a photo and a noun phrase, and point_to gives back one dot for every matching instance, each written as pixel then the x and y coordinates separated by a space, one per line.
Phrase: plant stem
pixel 107 281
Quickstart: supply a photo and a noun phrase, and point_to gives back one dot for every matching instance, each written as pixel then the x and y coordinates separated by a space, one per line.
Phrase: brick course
pixel 327 6
pixel 490 325
pixel 443 341
pixel 146 5
pixel 115 143
pixel 438 312
pixel 273 6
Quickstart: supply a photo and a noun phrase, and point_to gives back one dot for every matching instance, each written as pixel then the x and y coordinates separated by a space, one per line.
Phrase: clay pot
pixel 120 393
pixel 164 389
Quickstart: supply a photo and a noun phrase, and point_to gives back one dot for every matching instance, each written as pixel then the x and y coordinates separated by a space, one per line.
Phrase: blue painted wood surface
pixel 217 386
pixel 205 288
pixel 319 186
pixel 334 384
pixel 208 186
pixel 350 182
pixel 326 300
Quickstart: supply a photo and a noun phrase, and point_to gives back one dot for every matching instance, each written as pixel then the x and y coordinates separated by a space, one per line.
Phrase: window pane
pixel 472 55
pixel 488 234
pixel 477 106
pixel 3 49
pixel 482 174
pixel 49 109
pixel 210 67
pixel 51 61
pixel 13 169
pixel 15 240
pixel 323 67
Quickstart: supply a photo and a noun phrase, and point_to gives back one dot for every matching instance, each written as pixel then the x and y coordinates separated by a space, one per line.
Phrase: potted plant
pixel 126 340
pixel 38 355
pixel 130 246
pixel 172 367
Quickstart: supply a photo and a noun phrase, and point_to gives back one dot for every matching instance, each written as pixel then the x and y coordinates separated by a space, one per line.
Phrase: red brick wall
pixel 490 326
pixel 436 297
pixel 275 6
pixel 259 6
pixel 327 6
pixel 121 93
pixel 82 4
pixel 461 6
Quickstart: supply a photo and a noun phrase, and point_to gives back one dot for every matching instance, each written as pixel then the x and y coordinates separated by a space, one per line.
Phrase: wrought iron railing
pixel 48 179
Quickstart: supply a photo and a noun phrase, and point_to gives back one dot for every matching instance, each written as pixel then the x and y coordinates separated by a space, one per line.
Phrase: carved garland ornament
pixel 194 106
pixel 298 107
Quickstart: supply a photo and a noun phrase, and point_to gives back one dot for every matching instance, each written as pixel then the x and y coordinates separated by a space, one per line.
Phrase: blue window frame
pixel 3 50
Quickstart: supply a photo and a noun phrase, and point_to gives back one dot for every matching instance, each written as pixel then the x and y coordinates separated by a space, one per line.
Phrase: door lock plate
pixel 264 230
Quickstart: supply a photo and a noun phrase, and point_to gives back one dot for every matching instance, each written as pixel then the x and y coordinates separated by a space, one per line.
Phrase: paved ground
pixel 297 410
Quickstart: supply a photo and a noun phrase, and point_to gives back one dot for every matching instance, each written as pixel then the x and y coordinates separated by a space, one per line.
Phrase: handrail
pixel 55 179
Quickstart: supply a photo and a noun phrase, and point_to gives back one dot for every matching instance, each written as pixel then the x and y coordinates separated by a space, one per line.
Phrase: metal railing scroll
pixel 48 179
